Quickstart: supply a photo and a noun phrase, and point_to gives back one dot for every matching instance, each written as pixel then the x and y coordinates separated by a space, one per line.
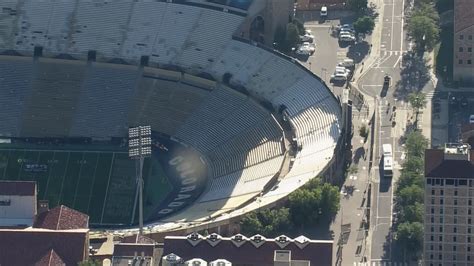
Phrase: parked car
pixel 324 12
pixel 306 49
pixel 307 37
pixel 339 77
pixel 348 63
pixel 340 69
pixel 347 38
pixel 471 119
pixel 345 32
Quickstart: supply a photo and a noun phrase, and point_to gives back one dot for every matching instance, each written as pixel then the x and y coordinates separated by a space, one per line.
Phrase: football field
pixel 99 183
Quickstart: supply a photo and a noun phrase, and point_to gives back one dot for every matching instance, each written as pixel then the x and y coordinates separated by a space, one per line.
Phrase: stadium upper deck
pixel 191 38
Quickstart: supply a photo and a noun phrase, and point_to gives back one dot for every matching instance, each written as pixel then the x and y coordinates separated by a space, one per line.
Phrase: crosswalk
pixel 380 263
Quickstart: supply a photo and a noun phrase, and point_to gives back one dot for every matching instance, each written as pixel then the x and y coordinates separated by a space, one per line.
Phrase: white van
pixel 324 12
pixel 346 63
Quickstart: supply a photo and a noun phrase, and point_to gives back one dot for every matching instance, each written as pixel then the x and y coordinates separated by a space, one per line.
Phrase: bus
pixel 387 160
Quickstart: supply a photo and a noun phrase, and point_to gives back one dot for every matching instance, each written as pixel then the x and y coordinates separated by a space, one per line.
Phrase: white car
pixel 347 38
pixel 307 37
pixel 339 77
pixel 471 119
pixel 344 32
pixel 306 49
pixel 324 12
pixel 343 70
pixel 346 63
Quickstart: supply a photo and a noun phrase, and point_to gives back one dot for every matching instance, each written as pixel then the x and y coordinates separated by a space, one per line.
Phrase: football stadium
pixel 235 125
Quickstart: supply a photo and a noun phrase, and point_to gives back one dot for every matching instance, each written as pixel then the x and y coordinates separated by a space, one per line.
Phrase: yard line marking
pixel 64 177
pixel 108 184
pixel 8 160
pixel 92 184
pixel 78 181
pixel 49 174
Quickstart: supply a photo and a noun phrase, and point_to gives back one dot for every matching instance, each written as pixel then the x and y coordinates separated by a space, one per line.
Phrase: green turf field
pixel 99 183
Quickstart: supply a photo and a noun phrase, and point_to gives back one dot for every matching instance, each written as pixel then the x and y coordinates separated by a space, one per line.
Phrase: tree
pixel 424 31
pixel 413 213
pixel 364 131
pixel 364 25
pixel 410 237
pixel 268 222
pixel 410 195
pixel 415 144
pixel 357 5
pixel 292 37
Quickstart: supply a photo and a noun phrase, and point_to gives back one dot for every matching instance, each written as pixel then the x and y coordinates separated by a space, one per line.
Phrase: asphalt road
pixel 388 62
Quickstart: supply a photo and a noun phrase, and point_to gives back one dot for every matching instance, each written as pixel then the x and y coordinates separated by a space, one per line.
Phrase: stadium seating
pixel 241 141
pixel 15 86
pixel 104 101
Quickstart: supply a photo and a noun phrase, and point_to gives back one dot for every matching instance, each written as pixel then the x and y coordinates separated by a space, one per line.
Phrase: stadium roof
pixel 17 188
pixel 61 218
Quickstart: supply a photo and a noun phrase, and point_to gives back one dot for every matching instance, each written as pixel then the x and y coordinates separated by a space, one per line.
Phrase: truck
pixel 387 158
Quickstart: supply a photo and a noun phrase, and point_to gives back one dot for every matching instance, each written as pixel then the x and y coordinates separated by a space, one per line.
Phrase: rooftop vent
pixel 196 262
pixel 257 240
pixel 301 241
pixel 282 241
pixel 220 262
pixel 457 151
pixel 171 259
pixel 194 238
pixel 238 240
pixel 213 239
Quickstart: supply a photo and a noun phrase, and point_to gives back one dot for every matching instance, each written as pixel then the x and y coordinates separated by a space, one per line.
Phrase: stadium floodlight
pixel 139 144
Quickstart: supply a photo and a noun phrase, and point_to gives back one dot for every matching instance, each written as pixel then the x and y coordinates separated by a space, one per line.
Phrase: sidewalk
pixel 348 225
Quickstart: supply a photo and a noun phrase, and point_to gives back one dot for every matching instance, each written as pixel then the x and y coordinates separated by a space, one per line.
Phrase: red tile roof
pixel 463 15
pixel 319 253
pixel 30 247
pixel 17 188
pixel 61 218
pixel 51 258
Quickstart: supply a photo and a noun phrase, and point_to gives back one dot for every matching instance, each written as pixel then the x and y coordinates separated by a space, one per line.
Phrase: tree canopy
pixel 423 26
pixel 357 5
pixel 364 25
pixel 268 222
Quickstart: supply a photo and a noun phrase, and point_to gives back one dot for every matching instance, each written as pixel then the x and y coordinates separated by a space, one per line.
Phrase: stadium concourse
pixel 261 124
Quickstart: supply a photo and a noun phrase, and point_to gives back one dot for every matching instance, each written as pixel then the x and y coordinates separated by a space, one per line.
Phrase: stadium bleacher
pixel 241 141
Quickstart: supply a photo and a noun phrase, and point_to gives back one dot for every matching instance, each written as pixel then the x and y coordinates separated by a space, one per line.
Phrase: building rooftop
pixel 454 161
pixel 463 15
pixel 17 188
pixel 250 251
pixel 32 246
pixel 61 218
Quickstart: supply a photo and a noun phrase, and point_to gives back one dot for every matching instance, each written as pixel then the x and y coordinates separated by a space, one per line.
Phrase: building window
pixel 454 239
pixel 469 230
pixel 432 192
pixel 456 192
pixel 455 210
pixel 460 61
pixel 469 49
pixel 432 229
pixel 440 238
pixel 469 37
pixel 441 201
pixel 455 202
pixel 441 192
pixel 468 248
pixel 432 201
pixel 469 202
pixel 432 219
pixel 432 247
pixel 455 230
pixel 432 210
pixel 468 258
pixel 469 211
pixel 440 247
pixel 440 229
pixel 469 62
pixel 432 238
pixel 469 221
pixel 441 211
pixel 461 49
pixel 454 248
pixel 455 220
pixel 440 220
pixel 440 256
pixel 468 239
pixel 461 37
pixel 431 256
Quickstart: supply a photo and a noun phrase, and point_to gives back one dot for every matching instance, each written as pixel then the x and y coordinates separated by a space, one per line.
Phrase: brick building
pixel 463 66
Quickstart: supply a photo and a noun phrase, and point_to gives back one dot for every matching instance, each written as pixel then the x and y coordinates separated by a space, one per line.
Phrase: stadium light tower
pixel 139 148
